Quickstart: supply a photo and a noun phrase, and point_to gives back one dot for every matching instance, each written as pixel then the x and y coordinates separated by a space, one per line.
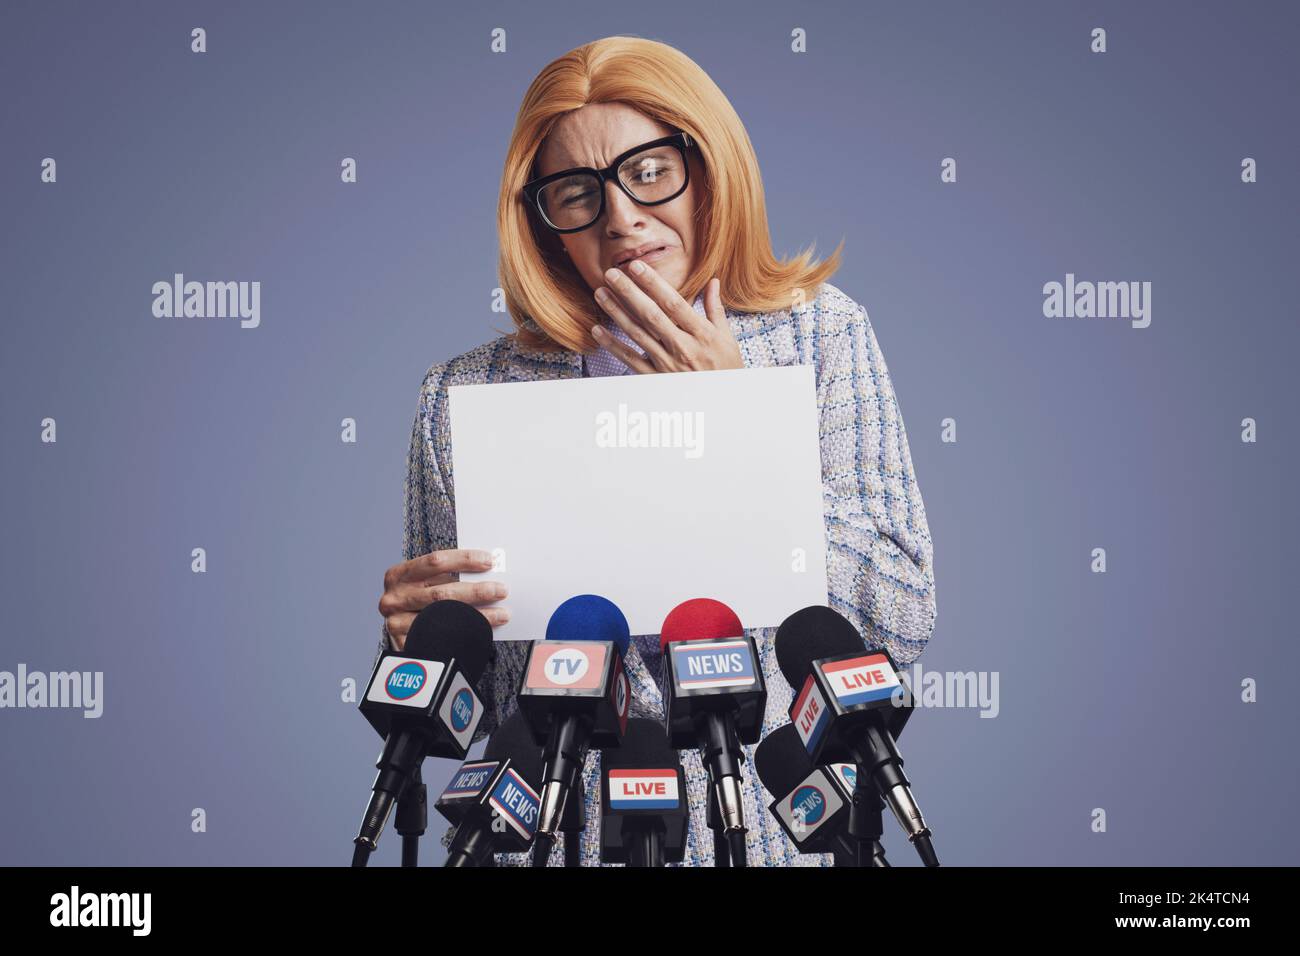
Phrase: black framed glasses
pixel 650 174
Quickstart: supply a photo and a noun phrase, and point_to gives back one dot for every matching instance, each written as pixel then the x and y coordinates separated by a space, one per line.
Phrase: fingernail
pixel 601 294
pixel 597 331
pixel 637 267
pixel 612 276
pixel 483 557
pixel 499 590
pixel 505 615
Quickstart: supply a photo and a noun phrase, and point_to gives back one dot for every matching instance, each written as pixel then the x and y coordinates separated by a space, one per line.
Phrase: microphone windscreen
pixel 644 744
pixel 699 618
pixel 589 617
pixel 452 629
pixel 781 761
pixel 809 635
pixel 513 739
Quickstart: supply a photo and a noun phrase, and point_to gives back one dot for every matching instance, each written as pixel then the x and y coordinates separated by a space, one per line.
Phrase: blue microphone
pixel 589 617
pixel 574 695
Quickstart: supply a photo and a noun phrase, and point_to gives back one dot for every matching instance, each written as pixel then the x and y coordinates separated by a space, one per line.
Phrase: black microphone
pixel 714 702
pixel 422 700
pixel 575 695
pixel 644 818
pixel 845 708
pixel 813 805
pixel 493 802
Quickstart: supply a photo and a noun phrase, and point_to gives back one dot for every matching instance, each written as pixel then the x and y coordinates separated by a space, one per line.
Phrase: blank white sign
pixel 648 490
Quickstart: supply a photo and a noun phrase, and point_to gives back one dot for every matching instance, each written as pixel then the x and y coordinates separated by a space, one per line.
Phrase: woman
pixel 634 240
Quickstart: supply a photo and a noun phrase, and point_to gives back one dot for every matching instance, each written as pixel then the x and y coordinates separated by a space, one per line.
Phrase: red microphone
pixel 697 619
pixel 715 701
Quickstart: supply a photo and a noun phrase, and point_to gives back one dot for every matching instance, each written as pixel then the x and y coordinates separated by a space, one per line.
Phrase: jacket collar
pixel 532 365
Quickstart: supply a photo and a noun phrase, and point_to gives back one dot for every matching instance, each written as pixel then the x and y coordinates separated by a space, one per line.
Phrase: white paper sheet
pixel 560 479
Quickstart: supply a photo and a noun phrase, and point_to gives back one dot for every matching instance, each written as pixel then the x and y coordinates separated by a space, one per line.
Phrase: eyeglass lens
pixel 653 175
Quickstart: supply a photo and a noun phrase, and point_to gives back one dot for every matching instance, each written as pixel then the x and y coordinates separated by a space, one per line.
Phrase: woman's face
pixel 593 136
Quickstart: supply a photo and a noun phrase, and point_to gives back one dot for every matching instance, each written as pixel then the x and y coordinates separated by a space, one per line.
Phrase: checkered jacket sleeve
pixel 880 559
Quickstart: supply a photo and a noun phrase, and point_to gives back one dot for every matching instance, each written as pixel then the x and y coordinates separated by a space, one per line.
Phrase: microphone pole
pixel 866 823
pixel 412 818
pixel 648 850
pixel 713 817
pixel 571 823
pixel 866 814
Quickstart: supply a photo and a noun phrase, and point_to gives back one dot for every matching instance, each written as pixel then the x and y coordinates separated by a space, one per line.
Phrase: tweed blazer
pixel 880 559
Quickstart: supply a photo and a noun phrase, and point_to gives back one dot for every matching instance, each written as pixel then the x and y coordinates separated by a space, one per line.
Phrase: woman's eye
pixel 651 170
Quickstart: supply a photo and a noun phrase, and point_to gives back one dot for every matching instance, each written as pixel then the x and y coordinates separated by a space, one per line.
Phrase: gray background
pixel 1118 690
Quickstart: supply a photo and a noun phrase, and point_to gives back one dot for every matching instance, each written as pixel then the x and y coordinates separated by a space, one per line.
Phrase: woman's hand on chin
pixel 667 328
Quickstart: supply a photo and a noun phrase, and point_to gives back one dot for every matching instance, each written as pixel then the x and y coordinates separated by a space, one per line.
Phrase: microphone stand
pixel 571 823
pixel 713 817
pixel 412 818
pixel 647 849
pixel 866 823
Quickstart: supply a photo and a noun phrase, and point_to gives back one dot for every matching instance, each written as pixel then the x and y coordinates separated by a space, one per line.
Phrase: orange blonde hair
pixel 539 282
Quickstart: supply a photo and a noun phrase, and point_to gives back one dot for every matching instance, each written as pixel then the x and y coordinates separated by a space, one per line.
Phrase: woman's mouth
pixel 651 256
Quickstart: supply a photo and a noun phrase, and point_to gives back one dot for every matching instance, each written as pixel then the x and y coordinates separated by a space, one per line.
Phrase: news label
pixel 704 665
pixel 461 710
pixel 405 681
pixel 809 714
pixel 861 680
pixel 566 666
pixel 813 803
pixel 516 803
pixel 848 773
pixel 637 789
pixel 470 780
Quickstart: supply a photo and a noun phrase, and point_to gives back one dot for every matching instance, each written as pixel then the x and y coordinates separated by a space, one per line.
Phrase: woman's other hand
pixel 413 585
pixel 674 337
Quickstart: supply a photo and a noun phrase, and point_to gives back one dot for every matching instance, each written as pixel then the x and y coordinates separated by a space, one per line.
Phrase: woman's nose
pixel 622 215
